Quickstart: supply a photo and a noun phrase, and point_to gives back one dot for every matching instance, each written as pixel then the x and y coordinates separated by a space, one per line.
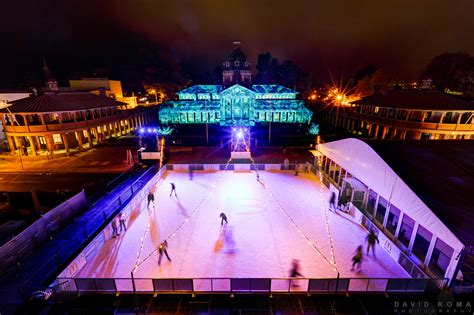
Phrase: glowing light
pixel 149 130
pixel 240 134
pixel 155 130
pixel 142 130
pixel 339 97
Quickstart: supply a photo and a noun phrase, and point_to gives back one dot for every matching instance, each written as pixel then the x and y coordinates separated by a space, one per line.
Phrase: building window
pixel 227 64
pixel 440 258
pixel 371 200
pixel 246 63
pixel 42 140
pixel 406 230
pixel 422 242
pixel 381 209
pixel 237 63
pixel 392 220
pixel 425 136
pixel 376 110
pixel 57 138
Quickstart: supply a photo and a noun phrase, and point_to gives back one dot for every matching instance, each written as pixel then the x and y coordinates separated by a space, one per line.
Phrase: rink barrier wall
pixel 238 167
pixel 137 203
pixel 40 231
pixel 249 285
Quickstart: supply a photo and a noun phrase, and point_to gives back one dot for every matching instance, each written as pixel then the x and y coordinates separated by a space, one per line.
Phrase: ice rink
pixel 260 240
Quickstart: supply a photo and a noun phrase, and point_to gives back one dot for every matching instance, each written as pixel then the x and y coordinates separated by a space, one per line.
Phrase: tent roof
pixel 61 102
pixel 415 99
pixel 441 173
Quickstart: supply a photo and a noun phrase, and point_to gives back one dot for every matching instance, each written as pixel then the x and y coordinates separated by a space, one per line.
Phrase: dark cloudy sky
pixel 398 35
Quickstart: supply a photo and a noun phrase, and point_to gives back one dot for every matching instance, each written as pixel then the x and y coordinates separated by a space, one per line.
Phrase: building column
pixel 384 132
pixel 96 133
pixel 66 144
pixel 79 140
pixel 49 144
pixel 376 131
pixel 18 144
pixel 10 143
pixel 89 138
pixel 32 145
pixel 403 134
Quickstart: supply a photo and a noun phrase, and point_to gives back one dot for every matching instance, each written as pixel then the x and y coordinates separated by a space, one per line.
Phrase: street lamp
pixel 153 91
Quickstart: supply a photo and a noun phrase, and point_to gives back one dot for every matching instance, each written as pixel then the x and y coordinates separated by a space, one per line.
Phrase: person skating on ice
pixel 122 222
pixel 332 201
pixel 173 189
pixel 162 249
pixel 295 272
pixel 151 198
pixel 357 259
pixel 223 218
pixel 371 239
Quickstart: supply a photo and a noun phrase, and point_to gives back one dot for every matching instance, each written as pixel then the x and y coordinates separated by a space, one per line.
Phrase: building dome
pixel 236 68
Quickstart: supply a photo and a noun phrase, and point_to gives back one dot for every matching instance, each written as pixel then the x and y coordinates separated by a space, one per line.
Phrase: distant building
pixel 406 114
pixel 7 96
pixel 103 86
pixel 236 102
pixel 62 122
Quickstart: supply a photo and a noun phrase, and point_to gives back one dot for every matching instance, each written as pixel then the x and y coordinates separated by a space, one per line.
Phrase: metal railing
pixel 248 285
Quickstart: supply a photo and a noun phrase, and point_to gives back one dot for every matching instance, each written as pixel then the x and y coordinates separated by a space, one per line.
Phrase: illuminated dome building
pixel 237 102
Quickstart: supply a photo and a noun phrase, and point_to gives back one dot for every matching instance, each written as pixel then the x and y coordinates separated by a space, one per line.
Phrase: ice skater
pixel 114 228
pixel 191 175
pixel 162 249
pixel 307 167
pixel 295 272
pixel 357 259
pixel 122 222
pixel 173 189
pixel 230 246
pixel 371 239
pixel 223 218
pixel 151 198
pixel 332 201
pixel 296 168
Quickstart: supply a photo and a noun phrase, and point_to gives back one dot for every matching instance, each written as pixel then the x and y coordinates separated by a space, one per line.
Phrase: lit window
pixel 406 230
pixel 440 258
pixel 376 110
pixel 57 138
pixel 422 242
pixel 237 63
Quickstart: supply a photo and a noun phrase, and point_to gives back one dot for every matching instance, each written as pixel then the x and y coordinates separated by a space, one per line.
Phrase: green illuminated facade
pixel 237 102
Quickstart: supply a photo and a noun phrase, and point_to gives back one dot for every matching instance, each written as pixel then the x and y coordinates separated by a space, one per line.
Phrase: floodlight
pixel 142 130
pixel 149 130
pixel 240 134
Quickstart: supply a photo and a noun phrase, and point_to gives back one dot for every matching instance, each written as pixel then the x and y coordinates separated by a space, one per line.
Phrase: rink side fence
pixel 67 282
pixel 247 285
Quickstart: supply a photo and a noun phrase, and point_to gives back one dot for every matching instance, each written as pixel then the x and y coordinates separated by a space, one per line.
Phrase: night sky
pixel 399 36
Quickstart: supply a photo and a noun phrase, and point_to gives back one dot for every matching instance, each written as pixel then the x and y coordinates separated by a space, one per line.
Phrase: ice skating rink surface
pixel 264 238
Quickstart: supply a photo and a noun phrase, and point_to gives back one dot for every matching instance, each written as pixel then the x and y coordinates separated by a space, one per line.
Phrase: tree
pixel 453 71
pixel 365 85
pixel 267 68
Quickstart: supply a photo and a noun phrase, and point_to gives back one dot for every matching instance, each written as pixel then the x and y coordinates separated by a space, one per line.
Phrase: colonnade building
pixel 402 114
pixel 63 122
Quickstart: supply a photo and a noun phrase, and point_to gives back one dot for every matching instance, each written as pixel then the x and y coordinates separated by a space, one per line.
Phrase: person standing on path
pixel 223 218
pixel 162 249
pixel 151 198
pixel 357 259
pixel 173 189
pixel 371 239
pixel 122 222
pixel 114 227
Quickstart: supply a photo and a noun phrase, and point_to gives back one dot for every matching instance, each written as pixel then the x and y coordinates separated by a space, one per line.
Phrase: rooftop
pixel 442 175
pixel 60 102
pixel 416 99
